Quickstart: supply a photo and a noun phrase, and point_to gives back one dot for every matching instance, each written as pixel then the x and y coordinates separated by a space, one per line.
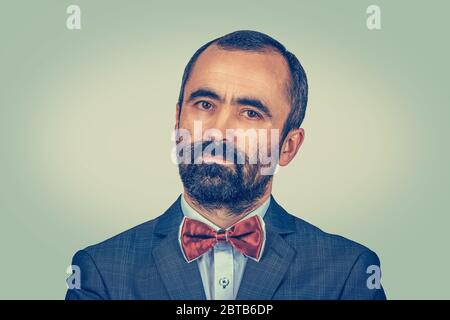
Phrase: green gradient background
pixel 86 120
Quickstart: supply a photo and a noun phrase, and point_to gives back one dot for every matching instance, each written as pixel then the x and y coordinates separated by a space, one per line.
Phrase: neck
pixel 223 218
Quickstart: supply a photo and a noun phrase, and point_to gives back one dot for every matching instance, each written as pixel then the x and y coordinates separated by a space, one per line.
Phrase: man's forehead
pixel 265 72
pixel 230 81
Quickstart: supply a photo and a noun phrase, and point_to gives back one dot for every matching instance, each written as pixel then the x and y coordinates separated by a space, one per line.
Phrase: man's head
pixel 247 81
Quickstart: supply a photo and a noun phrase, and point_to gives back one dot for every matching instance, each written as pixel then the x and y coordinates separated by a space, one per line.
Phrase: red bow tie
pixel 246 236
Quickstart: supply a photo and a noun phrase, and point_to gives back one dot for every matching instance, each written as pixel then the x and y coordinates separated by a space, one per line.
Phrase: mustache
pixel 226 150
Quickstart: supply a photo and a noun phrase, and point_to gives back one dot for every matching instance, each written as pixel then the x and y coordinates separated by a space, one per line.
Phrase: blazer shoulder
pixel 134 244
pixel 346 264
pixel 312 236
pixel 138 237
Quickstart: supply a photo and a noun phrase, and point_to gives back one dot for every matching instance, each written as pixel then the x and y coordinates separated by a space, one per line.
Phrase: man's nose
pixel 224 120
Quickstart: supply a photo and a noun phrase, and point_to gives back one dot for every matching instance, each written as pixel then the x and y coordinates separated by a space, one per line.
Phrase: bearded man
pixel 226 237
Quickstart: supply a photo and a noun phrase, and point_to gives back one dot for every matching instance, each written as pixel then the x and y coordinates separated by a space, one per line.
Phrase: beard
pixel 234 187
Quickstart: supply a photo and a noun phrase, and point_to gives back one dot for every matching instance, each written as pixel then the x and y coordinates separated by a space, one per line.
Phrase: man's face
pixel 239 90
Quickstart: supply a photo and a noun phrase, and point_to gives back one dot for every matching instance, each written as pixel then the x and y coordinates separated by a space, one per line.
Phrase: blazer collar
pixel 261 279
pixel 171 219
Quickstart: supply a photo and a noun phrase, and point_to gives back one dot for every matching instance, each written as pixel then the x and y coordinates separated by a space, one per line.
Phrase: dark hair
pixel 247 40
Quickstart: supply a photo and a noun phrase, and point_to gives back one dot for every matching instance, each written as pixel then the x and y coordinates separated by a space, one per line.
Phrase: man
pixel 226 237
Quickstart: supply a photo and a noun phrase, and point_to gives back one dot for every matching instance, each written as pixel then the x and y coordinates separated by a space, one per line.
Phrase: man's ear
pixel 291 145
pixel 177 116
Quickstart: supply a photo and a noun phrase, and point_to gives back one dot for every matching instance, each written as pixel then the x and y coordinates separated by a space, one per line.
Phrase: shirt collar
pixel 190 212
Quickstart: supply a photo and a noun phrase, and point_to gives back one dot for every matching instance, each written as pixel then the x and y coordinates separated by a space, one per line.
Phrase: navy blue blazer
pixel 299 262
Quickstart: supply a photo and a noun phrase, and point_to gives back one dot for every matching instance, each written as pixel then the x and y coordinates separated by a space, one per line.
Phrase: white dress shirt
pixel 222 268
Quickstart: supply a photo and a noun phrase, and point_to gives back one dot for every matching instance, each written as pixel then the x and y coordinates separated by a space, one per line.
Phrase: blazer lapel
pixel 181 279
pixel 261 279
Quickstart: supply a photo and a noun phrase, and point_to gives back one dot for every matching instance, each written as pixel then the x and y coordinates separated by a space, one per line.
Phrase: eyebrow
pixel 243 101
pixel 203 93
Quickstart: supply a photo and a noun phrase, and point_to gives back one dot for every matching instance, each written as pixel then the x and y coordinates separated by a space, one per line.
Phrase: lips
pixel 215 159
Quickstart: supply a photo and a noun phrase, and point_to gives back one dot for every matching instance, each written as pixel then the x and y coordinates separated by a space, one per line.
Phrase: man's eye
pixel 251 114
pixel 204 105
